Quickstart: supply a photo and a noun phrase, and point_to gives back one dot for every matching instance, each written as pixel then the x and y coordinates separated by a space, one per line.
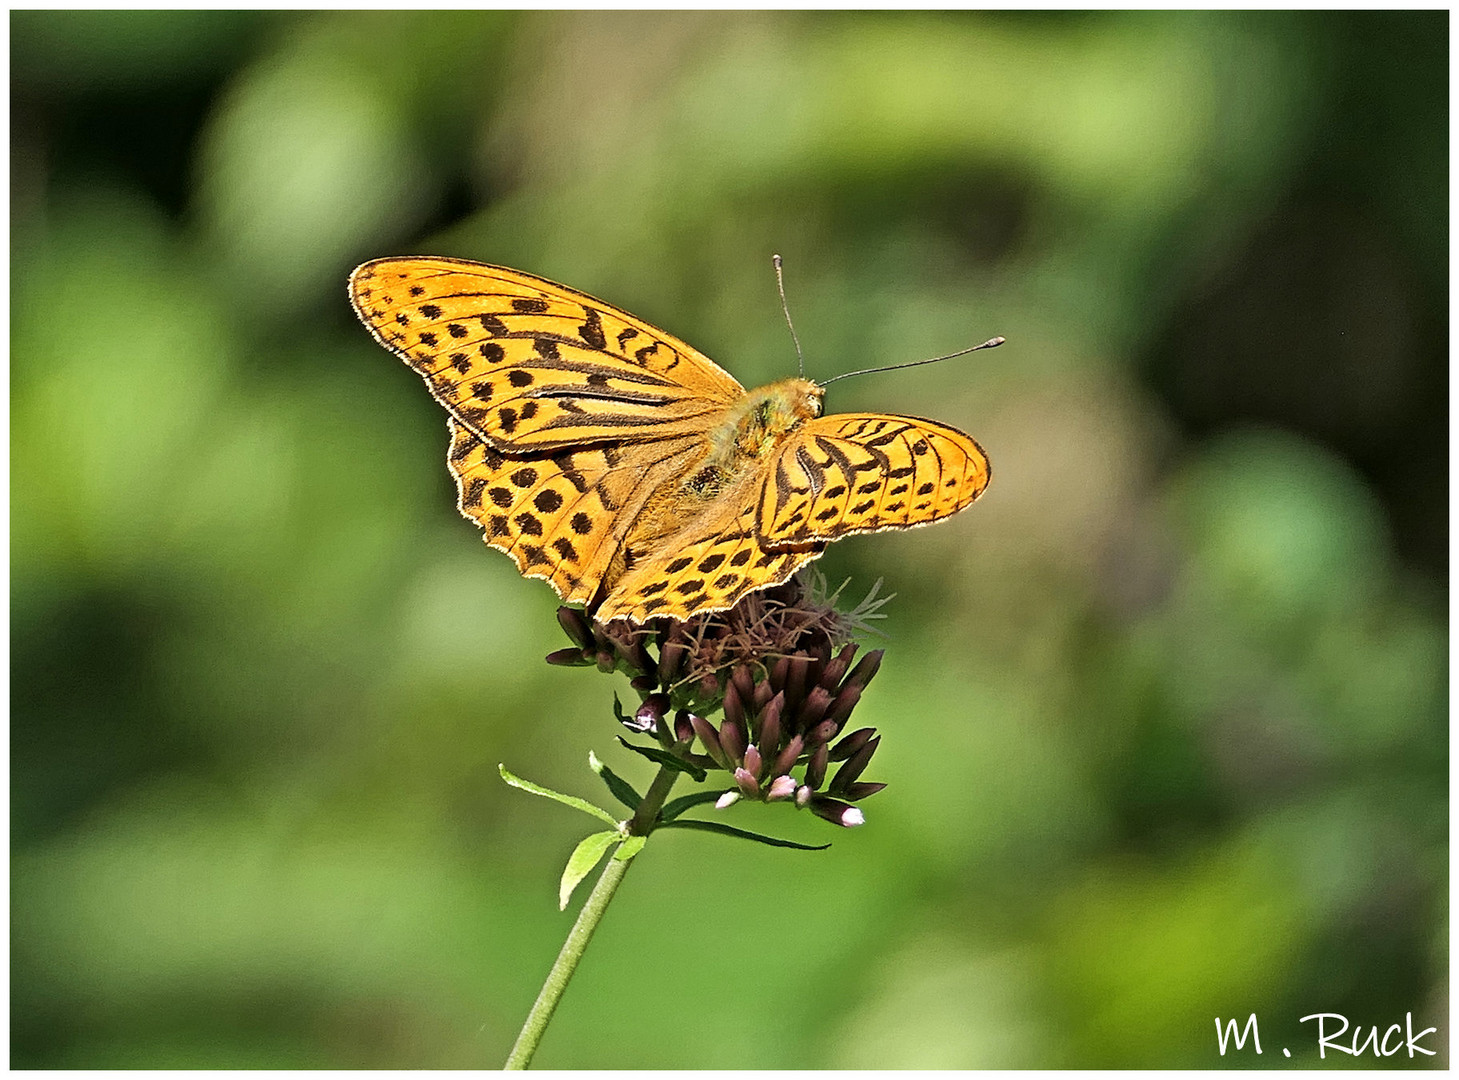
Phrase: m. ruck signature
pixel 1331 1031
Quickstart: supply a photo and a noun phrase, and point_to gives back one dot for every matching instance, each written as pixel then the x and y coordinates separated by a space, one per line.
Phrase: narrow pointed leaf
pixel 629 848
pixel 622 790
pixel 730 830
pixel 583 858
pixel 567 800
pixel 674 807
pixel 666 759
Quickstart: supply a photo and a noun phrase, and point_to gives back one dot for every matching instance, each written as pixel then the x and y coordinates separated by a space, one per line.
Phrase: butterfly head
pixel 806 398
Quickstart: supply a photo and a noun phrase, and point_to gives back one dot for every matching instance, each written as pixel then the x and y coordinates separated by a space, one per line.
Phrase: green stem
pixel 642 823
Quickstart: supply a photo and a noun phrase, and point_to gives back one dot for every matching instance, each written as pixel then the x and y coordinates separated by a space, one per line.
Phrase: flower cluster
pixel 781 667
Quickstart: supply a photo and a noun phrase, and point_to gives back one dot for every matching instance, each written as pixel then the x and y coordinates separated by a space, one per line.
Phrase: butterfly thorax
pixel 754 426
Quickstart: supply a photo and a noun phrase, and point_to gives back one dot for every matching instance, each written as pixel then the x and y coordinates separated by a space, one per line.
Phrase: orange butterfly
pixel 629 470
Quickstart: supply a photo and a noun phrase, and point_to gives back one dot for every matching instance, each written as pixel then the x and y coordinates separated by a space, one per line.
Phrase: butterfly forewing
pixel 860 472
pixel 532 365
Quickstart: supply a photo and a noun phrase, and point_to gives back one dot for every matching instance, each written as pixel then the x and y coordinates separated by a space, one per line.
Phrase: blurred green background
pixel 1165 714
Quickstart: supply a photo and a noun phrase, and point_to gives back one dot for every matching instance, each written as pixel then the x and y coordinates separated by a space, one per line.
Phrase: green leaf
pixel 583 858
pixel 622 790
pixel 730 830
pixel 675 807
pixel 567 800
pixel 629 848
pixel 666 759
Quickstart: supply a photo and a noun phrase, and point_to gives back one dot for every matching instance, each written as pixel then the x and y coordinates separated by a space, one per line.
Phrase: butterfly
pixel 627 469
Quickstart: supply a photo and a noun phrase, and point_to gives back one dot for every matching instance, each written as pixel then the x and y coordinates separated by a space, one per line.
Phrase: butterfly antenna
pixel 991 343
pixel 780 284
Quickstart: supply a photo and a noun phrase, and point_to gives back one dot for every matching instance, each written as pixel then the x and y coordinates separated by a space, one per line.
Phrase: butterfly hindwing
pixel 708 566
pixel 532 365
pixel 563 516
pixel 861 472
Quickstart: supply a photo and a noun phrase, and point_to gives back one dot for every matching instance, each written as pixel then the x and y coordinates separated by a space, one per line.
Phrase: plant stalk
pixel 641 824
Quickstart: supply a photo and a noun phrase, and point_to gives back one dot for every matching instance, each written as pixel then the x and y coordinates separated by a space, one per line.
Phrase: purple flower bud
pixel 815 770
pixel 846 699
pixel 788 756
pixel 575 624
pixel 708 685
pixel 854 766
pixel 814 709
pixel 673 654
pixel 710 738
pixel 837 812
pixel 863 672
pixel 803 795
pixel 825 731
pixel 782 787
pixel 732 738
pixel 572 657
pixel 743 681
pixel 652 712
pixel 747 783
pixel 858 791
pixel 683 727
pixel 753 763
pixel 763 693
pixel 644 684
pixel 779 673
pixel 629 649
pixel 734 705
pixel 728 799
pixel 795 682
pixel 852 743
pixel 607 662
pixel 836 667
pixel 769 733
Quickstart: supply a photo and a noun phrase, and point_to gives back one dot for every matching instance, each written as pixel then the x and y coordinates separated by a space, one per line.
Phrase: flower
pixel 781 666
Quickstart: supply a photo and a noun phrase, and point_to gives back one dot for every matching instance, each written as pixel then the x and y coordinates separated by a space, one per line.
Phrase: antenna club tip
pixel 993 343
pixel 776 260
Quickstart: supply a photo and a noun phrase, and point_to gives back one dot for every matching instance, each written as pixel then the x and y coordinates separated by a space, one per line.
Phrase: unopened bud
pixel 836 667
pixel 855 765
pixel 710 738
pixel 572 657
pixel 732 738
pixel 794 685
pixel 782 787
pixel 864 671
pixel 746 782
pixel 788 756
pixel 838 812
pixel 753 762
pixel 728 799
pixel 734 705
pixel 814 709
pixel 852 743
pixel 742 679
pixel 575 624
pixel 651 713
pixel 769 734
pixel 815 770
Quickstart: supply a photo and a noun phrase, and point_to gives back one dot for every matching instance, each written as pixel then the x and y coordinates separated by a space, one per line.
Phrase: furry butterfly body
pixel 629 470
